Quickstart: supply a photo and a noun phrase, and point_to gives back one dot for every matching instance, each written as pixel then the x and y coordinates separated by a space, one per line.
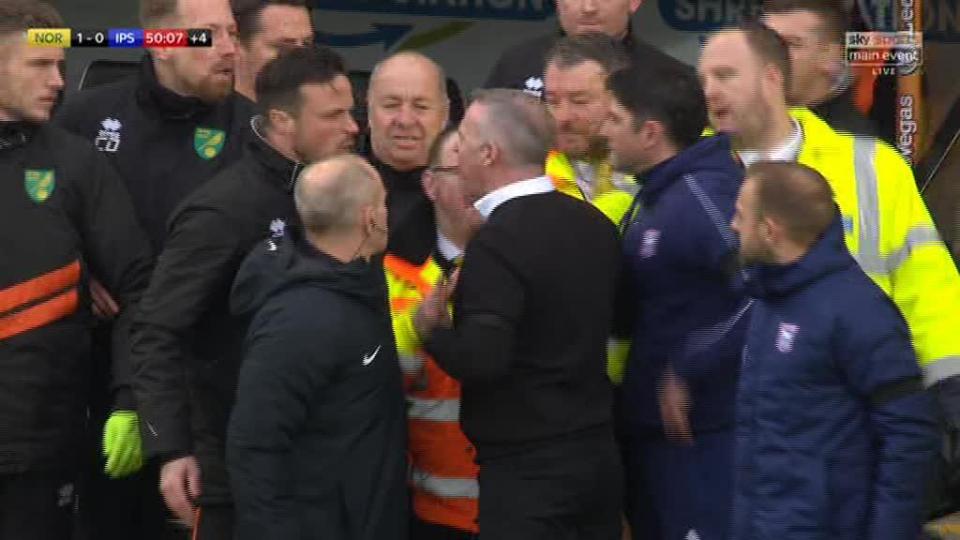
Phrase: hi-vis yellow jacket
pixel 612 200
pixel 443 472
pixel 890 233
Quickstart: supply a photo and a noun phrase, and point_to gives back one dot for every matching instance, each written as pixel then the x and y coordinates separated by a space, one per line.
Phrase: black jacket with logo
pixel 65 214
pixel 521 67
pixel 186 345
pixel 163 145
pixel 317 440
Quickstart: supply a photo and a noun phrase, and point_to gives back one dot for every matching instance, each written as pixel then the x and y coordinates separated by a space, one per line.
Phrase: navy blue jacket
pixel 316 444
pixel 680 261
pixel 835 435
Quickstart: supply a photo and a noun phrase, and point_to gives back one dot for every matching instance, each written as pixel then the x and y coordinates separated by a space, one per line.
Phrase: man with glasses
pixel 443 472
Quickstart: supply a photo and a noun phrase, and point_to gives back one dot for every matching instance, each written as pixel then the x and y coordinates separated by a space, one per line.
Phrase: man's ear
pixel 490 153
pixel 773 78
pixel 281 121
pixel 635 5
pixel 770 230
pixel 830 59
pixel 161 54
pixel 429 183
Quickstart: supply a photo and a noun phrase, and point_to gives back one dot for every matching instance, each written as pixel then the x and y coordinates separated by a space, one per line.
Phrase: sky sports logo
pixel 886 53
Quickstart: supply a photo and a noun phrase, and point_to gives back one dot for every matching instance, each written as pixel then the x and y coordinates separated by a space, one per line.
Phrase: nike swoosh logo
pixel 368 358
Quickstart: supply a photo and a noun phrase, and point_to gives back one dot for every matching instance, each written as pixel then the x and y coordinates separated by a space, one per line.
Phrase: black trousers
pixel 564 490
pixel 37 505
pixel 214 523
pixel 422 530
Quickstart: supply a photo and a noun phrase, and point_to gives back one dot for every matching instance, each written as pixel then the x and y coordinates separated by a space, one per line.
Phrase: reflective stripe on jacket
pixel 443 471
pixel 889 231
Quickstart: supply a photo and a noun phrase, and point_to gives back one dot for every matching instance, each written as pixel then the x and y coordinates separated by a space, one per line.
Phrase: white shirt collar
pixel 788 151
pixel 448 250
pixel 489 202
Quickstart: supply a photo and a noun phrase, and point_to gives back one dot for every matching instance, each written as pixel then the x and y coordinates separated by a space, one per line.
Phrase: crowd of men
pixel 623 297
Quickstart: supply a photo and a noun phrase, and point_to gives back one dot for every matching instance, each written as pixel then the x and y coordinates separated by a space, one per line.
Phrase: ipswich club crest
pixel 208 142
pixel 39 184
pixel 786 336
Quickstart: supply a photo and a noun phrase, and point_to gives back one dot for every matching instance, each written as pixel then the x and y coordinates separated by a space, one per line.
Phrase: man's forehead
pixel 406 73
pixel 286 20
pixel 726 47
pixel 14 45
pixel 587 74
pixel 205 13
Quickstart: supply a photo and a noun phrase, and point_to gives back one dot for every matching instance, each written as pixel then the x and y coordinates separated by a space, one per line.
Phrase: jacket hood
pixel 288 261
pixel 828 255
pixel 708 156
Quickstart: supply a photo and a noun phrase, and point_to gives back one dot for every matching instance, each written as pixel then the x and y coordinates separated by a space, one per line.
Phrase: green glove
pixel 121 444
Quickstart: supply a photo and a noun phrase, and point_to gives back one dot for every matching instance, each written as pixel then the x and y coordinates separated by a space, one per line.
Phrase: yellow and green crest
pixel 208 142
pixel 39 184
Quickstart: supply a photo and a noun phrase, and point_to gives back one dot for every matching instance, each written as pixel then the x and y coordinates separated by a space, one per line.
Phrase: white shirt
pixel 788 151
pixel 448 250
pixel 489 202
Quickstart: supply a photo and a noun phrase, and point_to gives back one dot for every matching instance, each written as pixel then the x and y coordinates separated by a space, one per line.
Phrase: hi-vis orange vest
pixel 443 471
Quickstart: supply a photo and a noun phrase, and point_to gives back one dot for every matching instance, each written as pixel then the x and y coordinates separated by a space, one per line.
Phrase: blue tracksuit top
pixel 681 279
pixel 835 435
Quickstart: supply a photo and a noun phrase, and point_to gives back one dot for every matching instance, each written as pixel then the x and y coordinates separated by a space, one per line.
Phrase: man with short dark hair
pixel 815 33
pixel 316 443
pixel 680 257
pixel 886 224
pixel 186 345
pixel 536 402
pixel 836 436
pixel 264 29
pixel 575 75
pixel 521 66
pixel 65 215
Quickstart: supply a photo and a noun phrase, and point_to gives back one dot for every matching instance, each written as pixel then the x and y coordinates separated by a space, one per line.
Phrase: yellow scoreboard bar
pixel 48 37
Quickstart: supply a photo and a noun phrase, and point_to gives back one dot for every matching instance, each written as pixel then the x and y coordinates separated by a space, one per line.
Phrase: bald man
pixel 408 108
pixel 835 434
pixel 317 438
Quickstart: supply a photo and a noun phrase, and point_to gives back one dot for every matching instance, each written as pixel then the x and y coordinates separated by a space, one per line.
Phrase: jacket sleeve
pixel 117 252
pixel 882 370
pixel 197 263
pixel 923 278
pixel 489 302
pixel 712 247
pixel 287 364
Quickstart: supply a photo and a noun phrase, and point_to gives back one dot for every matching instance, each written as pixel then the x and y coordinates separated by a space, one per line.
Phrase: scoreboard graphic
pixel 120 38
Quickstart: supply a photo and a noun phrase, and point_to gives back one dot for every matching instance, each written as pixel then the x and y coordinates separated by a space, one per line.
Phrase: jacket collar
pixel 16 134
pixel 827 256
pixel 709 153
pixel 628 39
pixel 168 103
pixel 285 170
pixel 820 141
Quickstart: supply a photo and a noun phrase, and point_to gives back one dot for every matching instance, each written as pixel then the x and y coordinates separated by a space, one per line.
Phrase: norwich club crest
pixel 208 142
pixel 39 184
